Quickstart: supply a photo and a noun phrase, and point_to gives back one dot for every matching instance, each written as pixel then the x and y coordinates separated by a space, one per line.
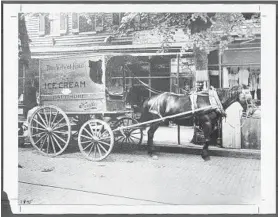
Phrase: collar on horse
pixel 213 99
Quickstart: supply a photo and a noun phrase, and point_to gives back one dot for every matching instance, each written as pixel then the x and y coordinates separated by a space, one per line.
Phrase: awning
pixel 242 57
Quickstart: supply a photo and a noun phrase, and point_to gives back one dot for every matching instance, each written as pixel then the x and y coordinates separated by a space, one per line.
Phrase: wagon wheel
pixel 132 136
pixel 49 130
pixel 95 140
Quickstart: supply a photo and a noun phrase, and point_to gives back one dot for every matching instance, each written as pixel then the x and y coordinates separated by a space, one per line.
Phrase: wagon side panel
pixel 75 85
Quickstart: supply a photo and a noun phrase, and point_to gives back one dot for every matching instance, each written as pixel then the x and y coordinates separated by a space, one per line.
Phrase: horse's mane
pixel 226 93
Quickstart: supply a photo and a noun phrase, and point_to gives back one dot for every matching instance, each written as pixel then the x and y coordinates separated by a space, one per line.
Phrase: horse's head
pixel 244 97
pixel 135 97
pixel 96 71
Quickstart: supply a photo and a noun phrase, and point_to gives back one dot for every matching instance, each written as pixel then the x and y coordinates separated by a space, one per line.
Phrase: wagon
pixel 79 99
pixel 76 103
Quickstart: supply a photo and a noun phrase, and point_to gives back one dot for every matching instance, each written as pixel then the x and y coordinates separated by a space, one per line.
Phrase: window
pixel 53 24
pixel 75 22
pixel 117 18
pixel 63 23
pixel 87 23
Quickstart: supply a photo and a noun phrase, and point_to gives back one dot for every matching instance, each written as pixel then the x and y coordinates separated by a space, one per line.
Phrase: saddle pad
pixel 214 99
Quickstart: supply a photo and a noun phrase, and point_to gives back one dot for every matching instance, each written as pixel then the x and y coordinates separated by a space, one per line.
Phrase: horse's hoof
pixel 154 157
pixel 206 158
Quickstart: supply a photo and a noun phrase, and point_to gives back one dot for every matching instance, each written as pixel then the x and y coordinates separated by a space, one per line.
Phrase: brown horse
pixel 166 104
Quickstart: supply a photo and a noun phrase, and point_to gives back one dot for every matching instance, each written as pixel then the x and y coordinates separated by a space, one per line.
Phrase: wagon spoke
pixel 99 132
pixel 57 142
pixel 62 132
pixel 50 117
pixel 39 123
pixel 104 143
pixel 53 145
pixel 85 141
pixel 95 151
pixel 91 149
pixel 54 119
pixel 131 140
pixel 134 137
pixel 38 128
pixel 58 122
pixel 55 128
pixel 43 142
pixel 99 151
pixel 125 140
pixel 135 133
pixel 93 131
pixel 47 140
pixel 86 137
pixel 40 138
pixel 120 137
pixel 104 138
pixel 103 133
pixel 58 137
pixel 46 119
pixel 92 143
pixel 102 147
pixel 42 119
pixel 88 132
pixel 37 134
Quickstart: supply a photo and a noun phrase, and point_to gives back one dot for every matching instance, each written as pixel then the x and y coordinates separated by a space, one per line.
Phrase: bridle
pixel 246 114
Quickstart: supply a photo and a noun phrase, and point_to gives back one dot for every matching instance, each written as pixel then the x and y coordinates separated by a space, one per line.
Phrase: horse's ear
pixel 244 86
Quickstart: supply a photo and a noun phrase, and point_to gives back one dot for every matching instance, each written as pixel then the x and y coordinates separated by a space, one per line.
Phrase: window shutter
pixel 75 22
pixel 41 25
pixel 63 23
pixel 55 24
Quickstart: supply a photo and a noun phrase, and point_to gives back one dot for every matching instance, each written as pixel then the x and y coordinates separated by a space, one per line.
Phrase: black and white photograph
pixel 140 108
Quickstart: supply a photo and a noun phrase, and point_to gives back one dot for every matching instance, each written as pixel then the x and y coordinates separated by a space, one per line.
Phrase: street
pixel 130 177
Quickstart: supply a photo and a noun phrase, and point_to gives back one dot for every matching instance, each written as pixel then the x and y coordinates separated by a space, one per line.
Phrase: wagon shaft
pixel 200 110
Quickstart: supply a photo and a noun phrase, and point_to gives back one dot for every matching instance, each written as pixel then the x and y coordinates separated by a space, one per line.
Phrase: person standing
pixel 30 96
pixel 259 87
pixel 253 84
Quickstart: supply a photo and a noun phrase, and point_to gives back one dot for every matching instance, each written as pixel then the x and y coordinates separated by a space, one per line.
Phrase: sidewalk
pixel 166 140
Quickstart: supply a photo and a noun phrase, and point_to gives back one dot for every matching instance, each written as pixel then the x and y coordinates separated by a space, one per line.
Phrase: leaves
pixel 205 30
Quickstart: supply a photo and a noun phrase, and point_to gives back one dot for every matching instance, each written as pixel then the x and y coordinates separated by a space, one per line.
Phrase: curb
pixel 213 151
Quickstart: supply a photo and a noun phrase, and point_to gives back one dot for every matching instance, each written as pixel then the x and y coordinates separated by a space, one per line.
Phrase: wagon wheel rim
pixel 131 136
pixel 95 140
pixel 49 130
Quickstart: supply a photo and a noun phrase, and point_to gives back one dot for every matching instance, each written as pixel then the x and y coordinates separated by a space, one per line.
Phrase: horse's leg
pixel 207 129
pixel 151 132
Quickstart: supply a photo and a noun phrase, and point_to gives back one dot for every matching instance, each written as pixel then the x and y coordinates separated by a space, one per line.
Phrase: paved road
pixel 130 177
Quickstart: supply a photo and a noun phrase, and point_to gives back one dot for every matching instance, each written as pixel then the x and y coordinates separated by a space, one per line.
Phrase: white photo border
pixel 268 108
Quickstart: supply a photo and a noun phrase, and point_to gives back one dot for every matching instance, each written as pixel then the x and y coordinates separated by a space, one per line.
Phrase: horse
pixel 166 104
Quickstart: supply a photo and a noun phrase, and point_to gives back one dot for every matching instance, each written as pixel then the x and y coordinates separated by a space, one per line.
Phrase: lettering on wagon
pixel 70 66
pixel 60 97
pixel 62 85
pixel 88 105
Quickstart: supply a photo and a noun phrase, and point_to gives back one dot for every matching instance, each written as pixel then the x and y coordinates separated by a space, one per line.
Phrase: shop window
pixel 117 18
pixel 87 23
pixel 53 24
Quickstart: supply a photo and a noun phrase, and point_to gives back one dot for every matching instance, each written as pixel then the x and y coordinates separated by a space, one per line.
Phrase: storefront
pixel 242 65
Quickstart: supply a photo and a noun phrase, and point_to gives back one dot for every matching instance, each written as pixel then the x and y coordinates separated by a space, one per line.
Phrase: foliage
pixel 203 29
pixel 23 40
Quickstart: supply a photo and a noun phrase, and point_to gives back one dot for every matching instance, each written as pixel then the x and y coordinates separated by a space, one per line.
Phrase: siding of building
pixel 71 38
